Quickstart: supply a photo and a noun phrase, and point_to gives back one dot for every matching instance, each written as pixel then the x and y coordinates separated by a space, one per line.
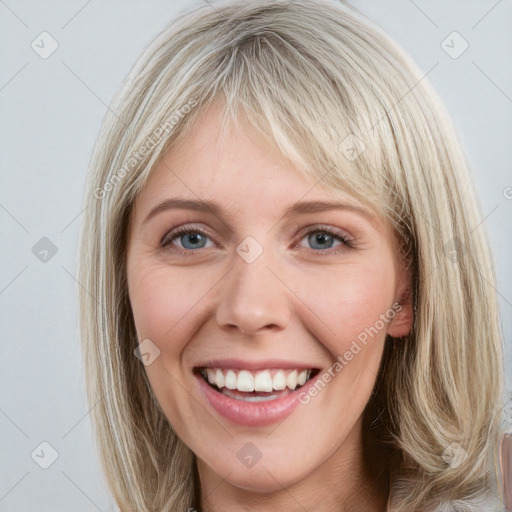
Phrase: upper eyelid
pixel 311 228
pixel 304 231
pixel 185 227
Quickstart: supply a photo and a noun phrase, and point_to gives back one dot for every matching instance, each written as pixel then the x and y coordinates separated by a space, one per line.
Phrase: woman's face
pixel 264 287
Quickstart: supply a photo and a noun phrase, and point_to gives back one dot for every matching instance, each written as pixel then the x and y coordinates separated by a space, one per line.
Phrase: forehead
pixel 235 167
pixel 243 181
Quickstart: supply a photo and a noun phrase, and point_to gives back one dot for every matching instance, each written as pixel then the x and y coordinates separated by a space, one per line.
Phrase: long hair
pixel 348 107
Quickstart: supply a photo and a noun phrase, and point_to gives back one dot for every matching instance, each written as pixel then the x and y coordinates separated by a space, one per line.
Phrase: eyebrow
pixel 303 207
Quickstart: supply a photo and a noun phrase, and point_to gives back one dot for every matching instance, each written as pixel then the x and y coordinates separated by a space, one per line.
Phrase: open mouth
pixel 256 386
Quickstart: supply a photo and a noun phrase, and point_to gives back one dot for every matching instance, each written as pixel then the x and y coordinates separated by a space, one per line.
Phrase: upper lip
pixel 241 364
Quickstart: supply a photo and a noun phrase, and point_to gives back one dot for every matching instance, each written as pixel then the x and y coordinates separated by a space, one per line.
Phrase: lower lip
pixel 253 414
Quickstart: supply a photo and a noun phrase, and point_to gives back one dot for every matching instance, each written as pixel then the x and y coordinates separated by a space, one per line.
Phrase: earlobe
pixel 401 324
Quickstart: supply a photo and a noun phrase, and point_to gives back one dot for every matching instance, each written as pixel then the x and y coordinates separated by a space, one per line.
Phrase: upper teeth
pixel 263 380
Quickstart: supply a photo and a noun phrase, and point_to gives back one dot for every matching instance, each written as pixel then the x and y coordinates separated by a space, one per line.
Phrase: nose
pixel 253 299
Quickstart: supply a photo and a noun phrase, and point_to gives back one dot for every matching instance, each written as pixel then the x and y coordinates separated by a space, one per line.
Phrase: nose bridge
pixel 252 298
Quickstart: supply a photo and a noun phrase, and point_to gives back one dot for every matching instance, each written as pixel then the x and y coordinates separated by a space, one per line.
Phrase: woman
pixel 291 308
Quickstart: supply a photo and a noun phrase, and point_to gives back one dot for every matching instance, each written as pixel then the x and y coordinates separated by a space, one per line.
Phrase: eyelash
pixel 185 230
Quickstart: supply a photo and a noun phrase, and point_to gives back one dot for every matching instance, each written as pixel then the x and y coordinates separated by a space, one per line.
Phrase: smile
pixel 254 397
pixel 246 381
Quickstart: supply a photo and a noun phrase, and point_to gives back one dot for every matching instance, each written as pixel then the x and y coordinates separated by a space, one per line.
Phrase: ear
pixel 401 324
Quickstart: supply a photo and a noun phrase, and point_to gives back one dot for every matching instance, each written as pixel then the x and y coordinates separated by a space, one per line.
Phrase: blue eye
pixel 320 239
pixel 193 240
pixel 190 239
pixel 323 238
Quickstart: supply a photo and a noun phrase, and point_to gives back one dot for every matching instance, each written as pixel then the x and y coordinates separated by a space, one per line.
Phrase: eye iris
pixel 321 237
pixel 194 239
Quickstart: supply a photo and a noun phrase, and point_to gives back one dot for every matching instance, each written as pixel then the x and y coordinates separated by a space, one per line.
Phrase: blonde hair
pixel 349 108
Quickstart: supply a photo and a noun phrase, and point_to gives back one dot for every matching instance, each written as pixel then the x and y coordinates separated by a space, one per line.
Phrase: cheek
pixel 349 304
pixel 347 323
pixel 166 303
pixel 163 301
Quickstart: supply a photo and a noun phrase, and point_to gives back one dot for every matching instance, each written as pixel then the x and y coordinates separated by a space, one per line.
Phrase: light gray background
pixel 51 113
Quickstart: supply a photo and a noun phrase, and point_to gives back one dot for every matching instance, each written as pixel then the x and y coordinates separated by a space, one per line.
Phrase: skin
pixel 299 300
